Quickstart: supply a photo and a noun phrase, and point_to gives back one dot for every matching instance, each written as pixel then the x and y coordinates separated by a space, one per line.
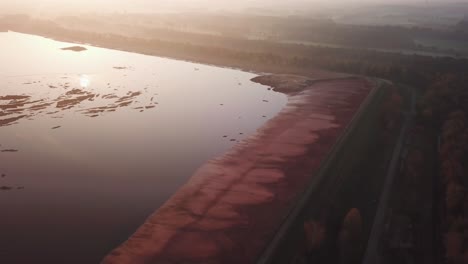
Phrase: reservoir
pixel 94 141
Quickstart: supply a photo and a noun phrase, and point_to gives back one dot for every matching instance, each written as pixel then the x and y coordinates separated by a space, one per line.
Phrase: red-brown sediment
pixel 230 208
pixel 14 97
pixel 75 48
pixel 11 120
pixel 14 108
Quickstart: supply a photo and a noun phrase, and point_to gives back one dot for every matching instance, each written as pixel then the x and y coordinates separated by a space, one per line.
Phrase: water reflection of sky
pixel 90 181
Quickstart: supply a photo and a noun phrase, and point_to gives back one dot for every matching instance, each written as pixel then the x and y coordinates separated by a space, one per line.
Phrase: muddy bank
pixel 75 48
pixel 14 108
pixel 230 208
pixel 285 83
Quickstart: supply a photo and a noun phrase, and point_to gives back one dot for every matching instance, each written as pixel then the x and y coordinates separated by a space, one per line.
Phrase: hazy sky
pixel 155 5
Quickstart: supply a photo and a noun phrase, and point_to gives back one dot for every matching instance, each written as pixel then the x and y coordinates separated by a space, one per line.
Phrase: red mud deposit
pixel 14 108
pixel 75 48
pixel 231 207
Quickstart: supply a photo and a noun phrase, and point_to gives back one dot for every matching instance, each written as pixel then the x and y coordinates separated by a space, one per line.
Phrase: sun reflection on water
pixel 85 81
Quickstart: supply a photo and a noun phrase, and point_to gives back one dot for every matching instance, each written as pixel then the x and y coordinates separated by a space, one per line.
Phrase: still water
pixel 92 142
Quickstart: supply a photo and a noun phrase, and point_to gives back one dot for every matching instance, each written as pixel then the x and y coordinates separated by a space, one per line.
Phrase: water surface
pixel 92 142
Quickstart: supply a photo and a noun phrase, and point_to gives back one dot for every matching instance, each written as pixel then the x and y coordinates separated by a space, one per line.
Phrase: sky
pixel 155 5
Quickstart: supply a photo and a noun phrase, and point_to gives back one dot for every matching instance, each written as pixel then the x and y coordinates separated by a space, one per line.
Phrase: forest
pixel 255 55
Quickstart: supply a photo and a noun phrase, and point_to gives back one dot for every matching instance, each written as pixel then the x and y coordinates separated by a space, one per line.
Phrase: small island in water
pixel 75 48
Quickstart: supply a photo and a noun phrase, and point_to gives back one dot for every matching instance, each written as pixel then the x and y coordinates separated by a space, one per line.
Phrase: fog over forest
pixel 45 6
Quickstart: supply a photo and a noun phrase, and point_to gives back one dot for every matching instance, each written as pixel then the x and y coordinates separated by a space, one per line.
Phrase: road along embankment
pixel 349 179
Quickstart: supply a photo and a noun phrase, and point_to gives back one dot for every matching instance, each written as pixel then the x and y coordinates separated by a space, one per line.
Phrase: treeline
pixel 432 185
pixel 291 28
pixel 444 109
pixel 273 28
pixel 263 56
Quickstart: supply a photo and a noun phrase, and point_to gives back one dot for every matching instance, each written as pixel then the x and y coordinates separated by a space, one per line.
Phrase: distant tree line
pixel 415 70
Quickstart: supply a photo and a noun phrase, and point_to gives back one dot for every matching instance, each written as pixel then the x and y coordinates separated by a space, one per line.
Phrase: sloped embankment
pixel 231 207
